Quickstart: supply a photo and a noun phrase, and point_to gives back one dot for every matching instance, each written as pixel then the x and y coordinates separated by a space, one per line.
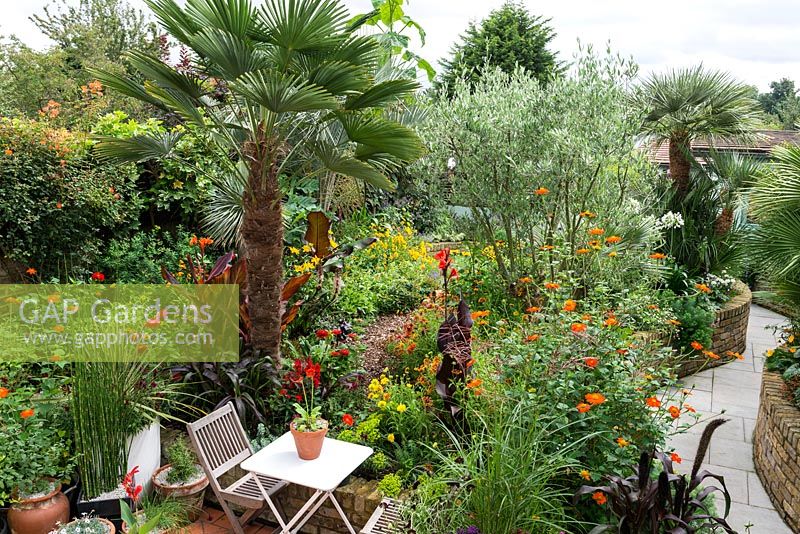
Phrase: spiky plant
pixel 285 88
pixel 681 105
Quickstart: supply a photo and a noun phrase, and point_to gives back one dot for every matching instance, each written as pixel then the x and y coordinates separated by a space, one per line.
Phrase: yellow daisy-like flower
pixel 382 404
pixel 390 438
pixel 294 250
pixel 401 408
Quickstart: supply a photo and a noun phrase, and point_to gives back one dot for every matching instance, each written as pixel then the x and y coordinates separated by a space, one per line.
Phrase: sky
pixel 756 40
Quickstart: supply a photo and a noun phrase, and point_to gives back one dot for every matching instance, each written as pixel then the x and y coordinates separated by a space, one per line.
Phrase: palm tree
pixel 682 105
pixel 776 206
pixel 298 96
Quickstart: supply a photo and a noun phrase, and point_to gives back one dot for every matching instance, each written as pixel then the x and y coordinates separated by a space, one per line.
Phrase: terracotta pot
pixel 39 515
pixel 308 444
pixel 110 528
pixel 189 494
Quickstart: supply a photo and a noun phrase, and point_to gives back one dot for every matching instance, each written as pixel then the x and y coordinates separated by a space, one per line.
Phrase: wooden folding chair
pixel 222 444
pixel 386 519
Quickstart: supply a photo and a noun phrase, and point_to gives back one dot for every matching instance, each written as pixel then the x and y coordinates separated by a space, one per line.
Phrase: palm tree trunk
pixel 679 165
pixel 262 234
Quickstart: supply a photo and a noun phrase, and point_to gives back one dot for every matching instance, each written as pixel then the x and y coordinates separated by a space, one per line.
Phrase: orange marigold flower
pixel 26 413
pixel 474 383
pixel 525 280
pixel 652 307
pixel 541 191
pixel 657 256
pixel 595 398
pixel 585 474
pixel 533 309
pixel 582 251
pixel 586 317
pixel 734 355
pixel 703 288
pixel 596 231
pixel 611 321
pixel 599 497
pixel 570 305
pixel 674 411
pixel 577 328
pixel 552 286
pixel 653 402
pixel 347 419
pixel 9 152
pixel 591 362
pixel 30 271
pixel 3 393
pixel 622 442
pixel 583 407
pixel 674 322
pixel 675 458
pixel 696 345
pixel 689 408
pixel 594 243
pixel 710 354
pixel 531 338
pixel 613 239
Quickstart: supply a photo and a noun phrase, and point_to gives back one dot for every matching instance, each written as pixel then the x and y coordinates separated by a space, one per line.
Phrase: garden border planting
pixel 730 332
pixel 776 440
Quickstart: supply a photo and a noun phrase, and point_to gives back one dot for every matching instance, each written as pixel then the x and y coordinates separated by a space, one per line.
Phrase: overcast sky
pixel 757 40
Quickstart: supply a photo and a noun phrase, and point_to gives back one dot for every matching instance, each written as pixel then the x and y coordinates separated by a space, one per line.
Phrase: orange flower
pixel 594 243
pixel 583 407
pixel 595 398
pixel 9 152
pixel 541 191
pixel 30 271
pixel 674 322
pixel 193 241
pixel 689 408
pixel 674 411
pixel 3 393
pixel 480 314
pixel 474 383
pixel 657 256
pixel 591 362
pixel 703 288
pixel 611 321
pixel 533 309
pixel 570 305
pixel 734 355
pixel 585 474
pixel 675 458
pixel 586 317
pixel 532 337
pixel 577 328
pixel 347 419
pixel 710 354
pixel 653 402
pixel 552 286
pixel 588 214
pixel 546 247
pixel 622 442
pixel 613 239
pixel 696 345
pixel 596 231
pixel 599 497
pixel 652 307
pixel 26 413
pixel 204 242
pixel 525 280
pixel 582 251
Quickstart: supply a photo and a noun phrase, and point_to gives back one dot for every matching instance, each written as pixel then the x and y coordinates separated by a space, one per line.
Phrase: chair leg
pixel 232 519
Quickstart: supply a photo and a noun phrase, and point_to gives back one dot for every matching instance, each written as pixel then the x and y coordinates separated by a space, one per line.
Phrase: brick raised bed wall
pixel 776 445
pixel 730 332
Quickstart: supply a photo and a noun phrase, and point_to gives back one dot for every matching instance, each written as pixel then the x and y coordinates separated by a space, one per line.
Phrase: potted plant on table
pixel 34 458
pixel 308 428
pixel 182 479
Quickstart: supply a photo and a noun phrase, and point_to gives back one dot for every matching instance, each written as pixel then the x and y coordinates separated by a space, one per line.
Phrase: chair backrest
pixel 220 441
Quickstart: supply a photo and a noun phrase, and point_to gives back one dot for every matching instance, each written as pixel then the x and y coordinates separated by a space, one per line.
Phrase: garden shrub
pixel 137 259
pixel 57 205
pixel 695 316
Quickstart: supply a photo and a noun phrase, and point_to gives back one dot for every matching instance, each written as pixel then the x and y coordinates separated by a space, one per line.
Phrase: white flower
pixel 671 220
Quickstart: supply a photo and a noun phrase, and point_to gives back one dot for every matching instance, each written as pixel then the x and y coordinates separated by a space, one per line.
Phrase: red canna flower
pixel 675 458
pixel 3 393
pixel 347 419
pixel 322 334
pixel 344 352
pixel 98 276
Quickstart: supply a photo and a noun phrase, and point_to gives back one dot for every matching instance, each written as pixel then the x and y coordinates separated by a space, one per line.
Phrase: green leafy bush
pixel 182 461
pixel 57 205
pixel 695 316
pixel 137 259
pixel 390 485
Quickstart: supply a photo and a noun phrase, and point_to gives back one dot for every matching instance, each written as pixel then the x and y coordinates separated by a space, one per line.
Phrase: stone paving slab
pixel 732 391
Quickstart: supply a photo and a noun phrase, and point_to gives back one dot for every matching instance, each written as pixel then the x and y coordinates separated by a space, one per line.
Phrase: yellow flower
pixel 585 474
pixel 384 380
pixel 402 407
pixel 307 248
pixel 382 404
pixel 390 438
pixel 770 352
pixel 294 250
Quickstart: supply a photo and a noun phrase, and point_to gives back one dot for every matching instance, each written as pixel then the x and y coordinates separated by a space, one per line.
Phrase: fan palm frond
pixel 138 148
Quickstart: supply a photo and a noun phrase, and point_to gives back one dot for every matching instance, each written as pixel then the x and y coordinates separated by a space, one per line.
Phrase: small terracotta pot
pixel 308 444
pixel 110 528
pixel 39 515
pixel 189 494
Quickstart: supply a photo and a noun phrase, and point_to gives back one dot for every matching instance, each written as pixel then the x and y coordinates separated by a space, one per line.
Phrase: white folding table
pixel 279 460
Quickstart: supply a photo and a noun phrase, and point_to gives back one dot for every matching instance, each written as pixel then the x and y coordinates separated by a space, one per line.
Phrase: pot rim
pixel 42 498
pixel 323 429
pixel 202 481
pixel 109 525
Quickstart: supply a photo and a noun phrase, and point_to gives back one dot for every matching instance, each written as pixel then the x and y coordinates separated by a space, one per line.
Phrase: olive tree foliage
pixel 538 166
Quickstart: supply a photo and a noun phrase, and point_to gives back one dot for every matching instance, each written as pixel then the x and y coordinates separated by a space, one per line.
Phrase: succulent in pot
pixel 308 428
pixel 182 479
pixel 87 525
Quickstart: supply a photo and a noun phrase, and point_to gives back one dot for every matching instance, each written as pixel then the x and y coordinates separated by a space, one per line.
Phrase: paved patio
pixel 732 391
